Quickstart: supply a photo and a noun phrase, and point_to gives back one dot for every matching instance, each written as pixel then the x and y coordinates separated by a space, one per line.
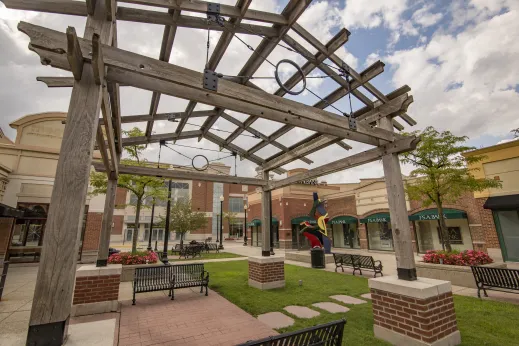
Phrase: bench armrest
pixel 205 275
pixel 377 265
pixel 172 280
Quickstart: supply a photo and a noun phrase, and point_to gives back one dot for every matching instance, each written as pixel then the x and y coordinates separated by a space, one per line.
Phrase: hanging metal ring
pixel 281 85
pixel 204 167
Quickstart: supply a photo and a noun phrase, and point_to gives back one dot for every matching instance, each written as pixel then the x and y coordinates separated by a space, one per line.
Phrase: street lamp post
pixel 166 231
pixel 217 228
pixel 245 225
pixel 220 247
pixel 151 224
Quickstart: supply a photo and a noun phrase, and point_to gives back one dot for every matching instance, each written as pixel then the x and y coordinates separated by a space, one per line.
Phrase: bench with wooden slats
pixel 328 334
pixel 495 279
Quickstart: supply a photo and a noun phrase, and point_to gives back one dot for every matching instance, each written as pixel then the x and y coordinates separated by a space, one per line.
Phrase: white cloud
pixel 465 82
pixel 373 13
pixel 425 18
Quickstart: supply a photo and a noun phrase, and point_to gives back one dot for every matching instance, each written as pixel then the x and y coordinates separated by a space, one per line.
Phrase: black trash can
pixel 317 258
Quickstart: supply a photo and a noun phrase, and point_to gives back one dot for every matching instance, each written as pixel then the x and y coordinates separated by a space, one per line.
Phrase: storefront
pixel 256 238
pixel 380 236
pixel 345 232
pixel 505 210
pixel 428 235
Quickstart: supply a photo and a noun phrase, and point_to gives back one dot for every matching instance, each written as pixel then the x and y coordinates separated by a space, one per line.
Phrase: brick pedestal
pixel 414 312
pixel 266 272
pixel 96 290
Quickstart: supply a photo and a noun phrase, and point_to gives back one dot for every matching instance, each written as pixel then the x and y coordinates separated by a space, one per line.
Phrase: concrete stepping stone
pixel 366 296
pixel 276 320
pixel 348 299
pixel 331 307
pixel 301 311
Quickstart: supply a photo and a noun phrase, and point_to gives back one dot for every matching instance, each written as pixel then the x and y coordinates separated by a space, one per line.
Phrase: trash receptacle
pixel 317 258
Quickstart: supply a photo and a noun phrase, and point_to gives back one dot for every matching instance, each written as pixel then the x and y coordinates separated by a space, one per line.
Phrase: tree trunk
pixel 136 230
pixel 443 226
pixel 181 240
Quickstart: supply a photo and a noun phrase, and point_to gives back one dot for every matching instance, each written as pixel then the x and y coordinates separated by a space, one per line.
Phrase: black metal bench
pixel 495 279
pixel 189 275
pixel 212 247
pixel 328 334
pixel 150 279
pixel 357 262
pixel 176 249
pixel 4 266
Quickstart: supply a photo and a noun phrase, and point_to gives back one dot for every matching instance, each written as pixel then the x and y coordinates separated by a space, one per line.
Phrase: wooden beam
pixel 402 238
pixel 165 116
pixel 390 109
pixel 103 150
pixel 73 8
pixel 97 61
pixel 159 137
pixel 57 82
pixel 106 224
pixel 51 305
pixel 165 52
pixel 201 7
pixel 74 54
pixel 91 6
pixel 402 145
pixel 182 174
pixel 110 136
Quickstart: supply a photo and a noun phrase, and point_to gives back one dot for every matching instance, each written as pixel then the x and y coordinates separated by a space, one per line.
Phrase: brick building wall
pixel 202 196
pixel 92 231
pixel 120 198
pixel 341 206
pixel 118 221
pixel 488 225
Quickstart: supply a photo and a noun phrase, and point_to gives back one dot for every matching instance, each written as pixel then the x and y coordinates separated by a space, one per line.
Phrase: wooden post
pixel 402 238
pixel 57 270
pixel 265 218
pixel 106 230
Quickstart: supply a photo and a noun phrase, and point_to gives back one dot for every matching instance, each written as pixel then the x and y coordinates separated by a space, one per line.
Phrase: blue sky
pixel 459 57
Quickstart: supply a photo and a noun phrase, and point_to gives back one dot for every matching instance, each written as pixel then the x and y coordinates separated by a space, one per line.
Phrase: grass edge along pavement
pixel 481 322
pixel 205 256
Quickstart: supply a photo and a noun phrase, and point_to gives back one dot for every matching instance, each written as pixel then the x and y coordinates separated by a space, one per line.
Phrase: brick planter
pixel 414 312
pixel 266 272
pixel 96 290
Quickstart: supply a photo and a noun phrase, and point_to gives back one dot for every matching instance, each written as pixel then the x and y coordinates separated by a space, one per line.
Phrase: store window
pixel 380 236
pixel 236 229
pixel 345 235
pixel 235 204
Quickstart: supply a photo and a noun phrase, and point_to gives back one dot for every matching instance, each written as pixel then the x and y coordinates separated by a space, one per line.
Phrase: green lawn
pixel 205 256
pixel 480 322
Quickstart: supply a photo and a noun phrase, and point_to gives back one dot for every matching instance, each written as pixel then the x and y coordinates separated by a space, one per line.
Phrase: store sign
pixel 378 219
pixel 309 182
pixel 339 222
pixel 431 217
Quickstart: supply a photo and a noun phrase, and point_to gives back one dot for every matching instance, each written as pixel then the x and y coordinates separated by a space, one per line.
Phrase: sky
pixel 459 57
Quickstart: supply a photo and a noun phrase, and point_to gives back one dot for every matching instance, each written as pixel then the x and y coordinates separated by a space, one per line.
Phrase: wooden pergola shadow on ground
pixel 99 69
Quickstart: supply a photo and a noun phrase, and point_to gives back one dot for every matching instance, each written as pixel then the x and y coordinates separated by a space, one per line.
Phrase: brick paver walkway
pixel 191 319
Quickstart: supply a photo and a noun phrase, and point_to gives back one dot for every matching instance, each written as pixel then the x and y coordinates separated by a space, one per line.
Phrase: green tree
pixel 231 218
pixel 441 172
pixel 184 219
pixel 515 132
pixel 141 186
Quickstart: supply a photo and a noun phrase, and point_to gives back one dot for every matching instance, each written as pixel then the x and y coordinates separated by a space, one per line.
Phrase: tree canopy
pixel 183 218
pixel 441 173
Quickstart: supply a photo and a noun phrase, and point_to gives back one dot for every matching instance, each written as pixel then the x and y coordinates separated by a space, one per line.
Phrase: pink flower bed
pixel 126 258
pixel 464 258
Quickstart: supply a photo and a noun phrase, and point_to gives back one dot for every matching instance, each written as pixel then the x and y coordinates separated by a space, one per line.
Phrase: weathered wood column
pixel 265 218
pixel 402 237
pixel 57 270
pixel 106 230
pixel 422 310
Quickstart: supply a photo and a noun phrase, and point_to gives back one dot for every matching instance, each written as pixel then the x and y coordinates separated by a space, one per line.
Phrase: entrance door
pixel 507 222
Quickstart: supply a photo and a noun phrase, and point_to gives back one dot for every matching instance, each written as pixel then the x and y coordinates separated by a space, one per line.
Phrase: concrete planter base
pixel 457 275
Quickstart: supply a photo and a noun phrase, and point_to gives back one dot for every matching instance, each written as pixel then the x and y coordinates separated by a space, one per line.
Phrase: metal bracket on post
pixel 352 122
pixel 213 11
pixel 210 80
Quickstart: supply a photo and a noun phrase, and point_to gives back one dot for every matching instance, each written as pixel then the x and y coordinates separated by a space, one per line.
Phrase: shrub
pixel 464 258
pixel 140 257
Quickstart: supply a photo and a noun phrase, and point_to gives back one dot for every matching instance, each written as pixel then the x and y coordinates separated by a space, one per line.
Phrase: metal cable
pixel 241 134
pixel 207 50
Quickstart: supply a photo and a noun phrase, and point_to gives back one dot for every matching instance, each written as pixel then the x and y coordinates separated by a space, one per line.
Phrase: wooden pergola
pixel 100 68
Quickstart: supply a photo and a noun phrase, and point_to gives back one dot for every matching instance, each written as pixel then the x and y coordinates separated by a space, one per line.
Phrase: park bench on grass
pixel 496 279
pixel 357 262
pixel 151 279
pixel 328 334
pixel 212 247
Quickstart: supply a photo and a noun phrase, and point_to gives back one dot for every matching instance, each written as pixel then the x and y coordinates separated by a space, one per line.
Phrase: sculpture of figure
pixel 317 233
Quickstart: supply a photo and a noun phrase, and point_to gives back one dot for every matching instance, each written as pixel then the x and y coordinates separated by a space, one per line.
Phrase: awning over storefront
pixel 257 222
pixel 432 214
pixel 298 220
pixel 7 211
pixel 510 202
pixel 343 219
pixel 378 217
